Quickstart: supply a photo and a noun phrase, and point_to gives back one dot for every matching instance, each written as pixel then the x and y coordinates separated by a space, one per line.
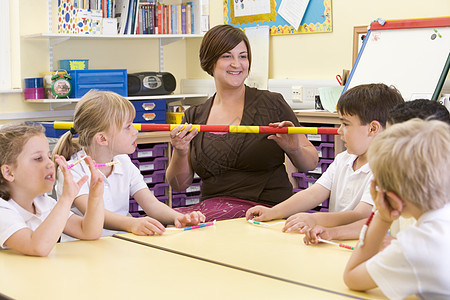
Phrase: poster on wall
pixel 281 16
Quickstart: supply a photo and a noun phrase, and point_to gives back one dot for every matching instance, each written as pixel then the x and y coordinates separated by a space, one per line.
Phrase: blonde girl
pixel 103 121
pixel 30 221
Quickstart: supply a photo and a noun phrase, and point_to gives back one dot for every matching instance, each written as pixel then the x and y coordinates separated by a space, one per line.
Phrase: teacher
pixel 238 170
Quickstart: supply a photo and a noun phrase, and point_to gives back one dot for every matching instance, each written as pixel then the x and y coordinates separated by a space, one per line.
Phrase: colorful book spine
pixel 192 14
pixel 160 19
pixel 179 30
pixel 174 19
pixel 183 18
pixel 166 20
pixel 110 9
pixel 142 19
pixel 105 8
pixel 169 19
pixel 151 19
pixel 189 18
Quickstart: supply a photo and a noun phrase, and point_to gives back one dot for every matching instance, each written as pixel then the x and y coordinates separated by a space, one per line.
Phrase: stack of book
pixel 150 17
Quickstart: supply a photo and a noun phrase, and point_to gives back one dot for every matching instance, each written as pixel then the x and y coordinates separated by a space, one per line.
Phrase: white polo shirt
pixel 347 187
pixel 124 181
pixel 14 217
pixel 416 263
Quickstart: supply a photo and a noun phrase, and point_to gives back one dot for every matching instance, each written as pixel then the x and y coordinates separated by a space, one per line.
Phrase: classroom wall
pixel 319 55
pixel 323 55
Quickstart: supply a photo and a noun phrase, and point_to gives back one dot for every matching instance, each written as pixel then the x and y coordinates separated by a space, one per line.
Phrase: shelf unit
pixel 57 38
pixel 55 103
pixel 164 39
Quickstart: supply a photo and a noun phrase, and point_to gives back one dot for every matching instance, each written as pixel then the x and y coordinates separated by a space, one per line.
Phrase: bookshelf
pixel 55 39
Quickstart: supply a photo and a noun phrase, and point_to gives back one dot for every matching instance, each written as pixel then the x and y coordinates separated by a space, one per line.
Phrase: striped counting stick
pixel 336 244
pixel 224 128
pixel 193 227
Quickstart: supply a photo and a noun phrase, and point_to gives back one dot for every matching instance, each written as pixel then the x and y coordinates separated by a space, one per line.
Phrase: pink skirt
pixel 220 208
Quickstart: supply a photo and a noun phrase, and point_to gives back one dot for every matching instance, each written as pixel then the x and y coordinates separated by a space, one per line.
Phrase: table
pixel 264 250
pixel 111 268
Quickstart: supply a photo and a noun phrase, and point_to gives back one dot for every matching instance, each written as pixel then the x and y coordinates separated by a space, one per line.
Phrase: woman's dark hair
pixel 217 41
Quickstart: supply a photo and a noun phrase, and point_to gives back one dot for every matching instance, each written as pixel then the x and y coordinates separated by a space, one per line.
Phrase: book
pixel 129 17
pixel 110 9
pixel 188 17
pixel 183 18
pixel 179 30
pixel 83 21
pixel 151 19
pixel 143 18
pixel 96 21
pixel 166 19
pixel 104 8
pixel 121 13
pixel 169 19
pixel 160 15
pixel 204 16
pixel 174 19
pixel 134 21
pixel 66 16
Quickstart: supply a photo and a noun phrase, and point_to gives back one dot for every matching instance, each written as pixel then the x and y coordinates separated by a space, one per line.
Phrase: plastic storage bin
pixel 150 111
pixel 304 181
pixel 149 150
pixel 114 80
pixel 195 187
pixel 321 166
pixel 179 200
pixel 52 132
pixel 326 150
pixel 150 117
pixel 174 117
pixel 74 64
pixel 155 177
pixel 159 189
pixel 320 137
pixel 158 163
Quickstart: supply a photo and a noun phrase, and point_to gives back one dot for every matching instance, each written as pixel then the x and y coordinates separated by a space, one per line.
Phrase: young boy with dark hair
pixel 363 112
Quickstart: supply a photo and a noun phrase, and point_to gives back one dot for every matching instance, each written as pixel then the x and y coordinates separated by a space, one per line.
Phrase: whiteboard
pixel 411 59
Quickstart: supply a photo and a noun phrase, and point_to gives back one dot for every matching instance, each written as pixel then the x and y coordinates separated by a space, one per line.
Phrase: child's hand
pixel 96 186
pixel 316 232
pixel 259 213
pixel 301 221
pixel 388 204
pixel 147 226
pixel 192 218
pixel 70 187
pixel 180 140
pixel 287 142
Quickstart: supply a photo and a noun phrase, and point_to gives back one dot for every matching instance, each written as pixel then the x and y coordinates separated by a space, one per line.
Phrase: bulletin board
pixel 411 55
pixel 316 18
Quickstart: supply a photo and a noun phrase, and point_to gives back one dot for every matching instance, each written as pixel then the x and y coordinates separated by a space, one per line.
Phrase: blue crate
pixel 52 132
pixel 154 116
pixel 149 105
pixel 114 80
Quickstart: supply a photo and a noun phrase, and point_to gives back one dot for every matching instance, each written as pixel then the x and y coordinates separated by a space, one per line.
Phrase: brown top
pixel 243 165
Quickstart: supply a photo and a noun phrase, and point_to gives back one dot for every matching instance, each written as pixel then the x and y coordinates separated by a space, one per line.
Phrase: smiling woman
pixel 238 170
